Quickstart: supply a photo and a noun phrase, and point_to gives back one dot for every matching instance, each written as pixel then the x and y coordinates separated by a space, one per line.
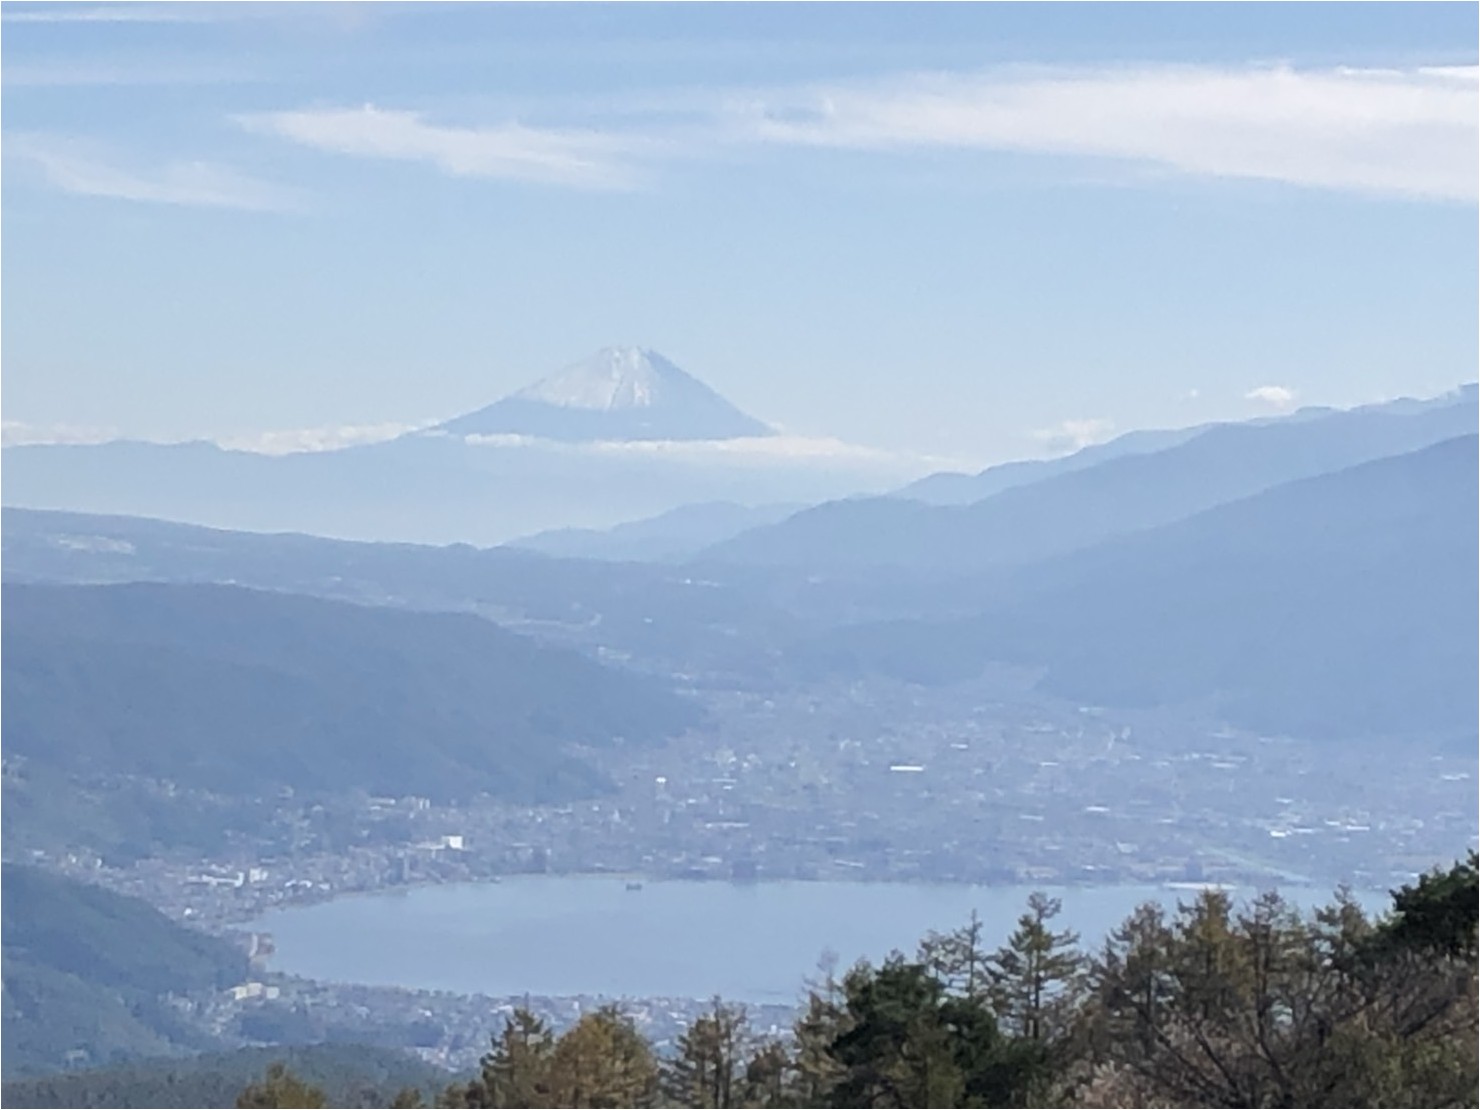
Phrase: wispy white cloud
pixel 1397 132
pixel 1071 435
pixel 80 74
pixel 510 151
pixel 81 167
pixel 1276 397
pixel 342 14
pixel 108 13
pixel 19 433
pixel 302 440
pixel 1409 132
pixel 758 451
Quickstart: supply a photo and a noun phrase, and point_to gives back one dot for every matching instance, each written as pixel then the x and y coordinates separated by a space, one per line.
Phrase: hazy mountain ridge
pixel 1336 607
pixel 423 488
pixel 669 537
pixel 242 692
pixel 565 452
pixel 949 488
pixel 1066 511
pixel 954 488
pixel 700 622
pixel 759 623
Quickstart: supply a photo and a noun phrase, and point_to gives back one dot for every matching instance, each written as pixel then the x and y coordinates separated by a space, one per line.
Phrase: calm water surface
pixel 547 935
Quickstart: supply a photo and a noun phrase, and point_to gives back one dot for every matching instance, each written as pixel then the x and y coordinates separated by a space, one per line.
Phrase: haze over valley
pixel 224 722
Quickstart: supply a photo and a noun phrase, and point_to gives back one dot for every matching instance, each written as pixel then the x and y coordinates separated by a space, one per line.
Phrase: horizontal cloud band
pixel 1406 132
pixel 1410 132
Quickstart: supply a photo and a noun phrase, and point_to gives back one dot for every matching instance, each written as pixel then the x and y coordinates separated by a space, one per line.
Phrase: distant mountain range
pixel 668 537
pixel 1338 607
pixel 661 616
pixel 1056 508
pixel 949 488
pixel 621 436
pixel 618 394
pixel 1313 575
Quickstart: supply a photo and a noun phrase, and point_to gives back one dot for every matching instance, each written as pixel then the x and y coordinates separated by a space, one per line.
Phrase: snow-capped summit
pixel 612 378
pixel 619 393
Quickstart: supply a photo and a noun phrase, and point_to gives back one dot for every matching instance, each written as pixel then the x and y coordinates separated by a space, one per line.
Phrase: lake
pixel 758 942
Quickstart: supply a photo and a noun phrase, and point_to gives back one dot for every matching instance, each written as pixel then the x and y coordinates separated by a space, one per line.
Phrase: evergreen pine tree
pixel 1036 974
pixel 281 1088
pixel 515 1071
pixel 814 1070
pixel 603 1061
pixel 768 1076
pixel 710 1059
pixel 958 958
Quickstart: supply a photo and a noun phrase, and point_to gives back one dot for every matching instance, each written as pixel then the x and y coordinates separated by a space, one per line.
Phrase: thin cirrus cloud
pixel 1393 132
pixel 511 151
pixel 83 168
pixel 174 11
pixel 1406 132
pixel 103 13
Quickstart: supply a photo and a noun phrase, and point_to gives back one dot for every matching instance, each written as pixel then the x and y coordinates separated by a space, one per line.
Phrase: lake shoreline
pixel 594 934
pixel 241 920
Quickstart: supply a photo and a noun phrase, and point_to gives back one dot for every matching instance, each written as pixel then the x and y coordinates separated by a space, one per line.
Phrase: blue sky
pixel 977 231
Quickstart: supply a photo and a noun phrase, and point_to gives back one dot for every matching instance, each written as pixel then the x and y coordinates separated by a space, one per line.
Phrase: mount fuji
pixel 623 436
pixel 618 394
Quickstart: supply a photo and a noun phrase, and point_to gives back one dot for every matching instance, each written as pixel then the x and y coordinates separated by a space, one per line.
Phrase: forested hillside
pixel 347 1075
pixel 86 972
pixel 244 692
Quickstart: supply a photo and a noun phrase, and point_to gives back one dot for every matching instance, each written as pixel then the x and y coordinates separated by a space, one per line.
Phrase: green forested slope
pixel 242 692
pixel 349 1075
pixel 86 971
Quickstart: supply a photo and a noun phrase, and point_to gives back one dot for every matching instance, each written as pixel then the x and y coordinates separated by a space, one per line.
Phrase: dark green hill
pixel 86 971
pixel 349 1075
pixel 241 692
